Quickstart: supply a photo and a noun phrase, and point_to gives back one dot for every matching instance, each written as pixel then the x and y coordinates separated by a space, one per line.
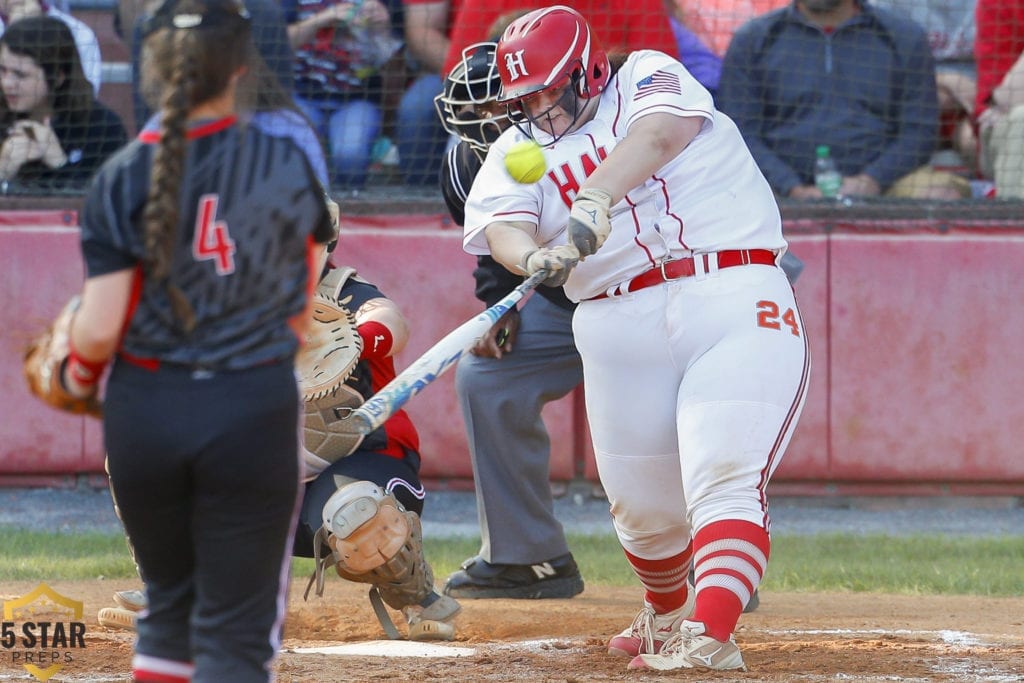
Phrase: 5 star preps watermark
pixel 42 631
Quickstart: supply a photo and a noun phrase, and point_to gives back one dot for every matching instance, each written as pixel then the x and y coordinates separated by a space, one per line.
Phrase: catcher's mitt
pixel 326 361
pixel 44 364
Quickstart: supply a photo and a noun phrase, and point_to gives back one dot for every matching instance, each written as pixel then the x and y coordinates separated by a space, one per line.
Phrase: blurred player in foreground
pixel 200 242
pixel 658 222
pixel 342 472
pixel 363 497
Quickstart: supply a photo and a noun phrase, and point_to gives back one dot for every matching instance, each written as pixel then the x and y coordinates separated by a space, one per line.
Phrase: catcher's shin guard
pixel 373 539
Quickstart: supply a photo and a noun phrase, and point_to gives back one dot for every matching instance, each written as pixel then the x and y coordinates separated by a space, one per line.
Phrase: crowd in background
pixel 905 98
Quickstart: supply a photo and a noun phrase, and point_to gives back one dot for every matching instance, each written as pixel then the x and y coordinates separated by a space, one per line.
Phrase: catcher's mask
pixel 468 107
pixel 550 50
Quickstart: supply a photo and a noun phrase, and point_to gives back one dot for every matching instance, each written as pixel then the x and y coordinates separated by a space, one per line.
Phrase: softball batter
pixel 695 358
pixel 201 243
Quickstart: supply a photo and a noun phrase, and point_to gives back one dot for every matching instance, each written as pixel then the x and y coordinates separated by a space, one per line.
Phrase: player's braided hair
pixel 193 63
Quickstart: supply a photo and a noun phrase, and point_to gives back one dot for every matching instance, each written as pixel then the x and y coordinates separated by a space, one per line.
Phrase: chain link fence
pixel 845 105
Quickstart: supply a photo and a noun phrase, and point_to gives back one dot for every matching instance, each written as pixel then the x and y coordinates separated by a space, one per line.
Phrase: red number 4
pixel 211 239
pixel 768 316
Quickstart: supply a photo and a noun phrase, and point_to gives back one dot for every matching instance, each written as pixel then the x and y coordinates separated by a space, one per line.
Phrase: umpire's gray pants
pixel 501 404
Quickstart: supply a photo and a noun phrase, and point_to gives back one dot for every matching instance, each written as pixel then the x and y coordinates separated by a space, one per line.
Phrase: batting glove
pixel 557 261
pixel 590 220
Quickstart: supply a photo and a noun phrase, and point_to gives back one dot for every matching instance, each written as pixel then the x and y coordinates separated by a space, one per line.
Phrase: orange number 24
pixel 768 317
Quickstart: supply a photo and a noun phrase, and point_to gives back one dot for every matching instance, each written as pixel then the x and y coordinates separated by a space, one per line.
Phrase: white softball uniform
pixel 693 386
pixel 711 197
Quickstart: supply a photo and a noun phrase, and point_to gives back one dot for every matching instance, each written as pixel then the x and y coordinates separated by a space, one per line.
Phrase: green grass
pixel 915 565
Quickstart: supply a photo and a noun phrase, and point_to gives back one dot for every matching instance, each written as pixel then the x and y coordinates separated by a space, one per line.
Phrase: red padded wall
pixel 914 329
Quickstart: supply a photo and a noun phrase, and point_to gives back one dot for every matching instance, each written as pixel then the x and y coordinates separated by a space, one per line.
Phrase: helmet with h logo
pixel 547 47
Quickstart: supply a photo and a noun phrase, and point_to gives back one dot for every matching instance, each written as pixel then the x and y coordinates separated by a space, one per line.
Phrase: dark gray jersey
pixel 250 205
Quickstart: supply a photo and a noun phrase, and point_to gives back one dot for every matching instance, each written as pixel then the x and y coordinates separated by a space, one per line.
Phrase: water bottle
pixel 826 175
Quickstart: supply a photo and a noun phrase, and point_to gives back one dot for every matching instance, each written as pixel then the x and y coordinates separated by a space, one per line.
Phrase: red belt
pixel 685 267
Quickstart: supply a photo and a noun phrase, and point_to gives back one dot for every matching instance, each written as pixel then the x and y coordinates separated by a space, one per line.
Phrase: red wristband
pixel 377 339
pixel 86 373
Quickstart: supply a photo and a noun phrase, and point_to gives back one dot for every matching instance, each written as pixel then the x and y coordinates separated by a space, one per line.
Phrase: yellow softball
pixel 525 162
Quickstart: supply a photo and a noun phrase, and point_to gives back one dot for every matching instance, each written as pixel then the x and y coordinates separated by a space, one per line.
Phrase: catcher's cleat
pixel 753 603
pixel 557 578
pixel 373 539
pixel 115 617
pixel 433 618
pixel 649 631
pixel 691 649
pixel 134 601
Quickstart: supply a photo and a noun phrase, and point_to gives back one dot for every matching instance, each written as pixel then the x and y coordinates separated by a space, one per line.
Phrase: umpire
pixel 526 360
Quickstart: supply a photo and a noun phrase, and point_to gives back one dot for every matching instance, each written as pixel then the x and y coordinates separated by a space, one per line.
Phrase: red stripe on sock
pixel 655 575
pixel 719 608
pixel 146 676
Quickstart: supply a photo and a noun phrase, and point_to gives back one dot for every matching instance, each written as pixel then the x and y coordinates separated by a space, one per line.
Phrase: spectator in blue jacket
pixel 840 73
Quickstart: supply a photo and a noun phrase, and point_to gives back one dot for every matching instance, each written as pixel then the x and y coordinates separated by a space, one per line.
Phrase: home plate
pixel 388 648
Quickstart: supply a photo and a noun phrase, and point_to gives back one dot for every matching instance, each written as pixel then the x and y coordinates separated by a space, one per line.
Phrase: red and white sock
pixel 664 581
pixel 729 560
pixel 149 669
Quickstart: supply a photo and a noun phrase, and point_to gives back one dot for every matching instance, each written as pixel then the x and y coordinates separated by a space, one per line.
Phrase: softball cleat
pixel 691 649
pixel 649 631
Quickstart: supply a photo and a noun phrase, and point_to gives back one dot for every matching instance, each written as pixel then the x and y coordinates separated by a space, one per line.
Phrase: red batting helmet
pixel 546 47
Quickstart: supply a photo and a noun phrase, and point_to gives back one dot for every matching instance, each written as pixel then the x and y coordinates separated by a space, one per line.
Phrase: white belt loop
pixel 699 269
pixel 705 265
pixel 617 290
pixel 712 263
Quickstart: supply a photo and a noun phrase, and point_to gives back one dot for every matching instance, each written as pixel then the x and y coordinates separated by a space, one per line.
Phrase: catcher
pixel 363 497
pixel 361 508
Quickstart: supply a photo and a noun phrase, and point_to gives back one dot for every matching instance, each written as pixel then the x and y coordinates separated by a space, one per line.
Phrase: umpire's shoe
pixel 556 578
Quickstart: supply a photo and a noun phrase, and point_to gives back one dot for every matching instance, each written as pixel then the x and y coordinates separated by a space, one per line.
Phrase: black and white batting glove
pixel 557 261
pixel 590 220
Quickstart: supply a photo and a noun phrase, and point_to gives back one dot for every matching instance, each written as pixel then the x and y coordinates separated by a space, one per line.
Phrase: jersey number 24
pixel 769 316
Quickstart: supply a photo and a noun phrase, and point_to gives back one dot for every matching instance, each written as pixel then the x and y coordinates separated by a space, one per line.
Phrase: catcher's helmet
pixel 546 48
pixel 473 82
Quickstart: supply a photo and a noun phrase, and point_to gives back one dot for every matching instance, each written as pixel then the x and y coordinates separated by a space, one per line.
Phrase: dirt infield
pixel 791 637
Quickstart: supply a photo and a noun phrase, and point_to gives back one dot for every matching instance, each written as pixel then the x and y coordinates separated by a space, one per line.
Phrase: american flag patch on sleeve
pixel 658 82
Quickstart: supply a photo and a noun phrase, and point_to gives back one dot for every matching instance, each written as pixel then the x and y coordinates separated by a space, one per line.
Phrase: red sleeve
pixel 470 26
pixel 999 41
pixel 649 28
pixel 399 429
pixel 630 25
pixel 625 26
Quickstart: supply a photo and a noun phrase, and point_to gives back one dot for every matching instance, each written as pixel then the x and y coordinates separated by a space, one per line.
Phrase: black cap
pixel 474 78
pixel 216 13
